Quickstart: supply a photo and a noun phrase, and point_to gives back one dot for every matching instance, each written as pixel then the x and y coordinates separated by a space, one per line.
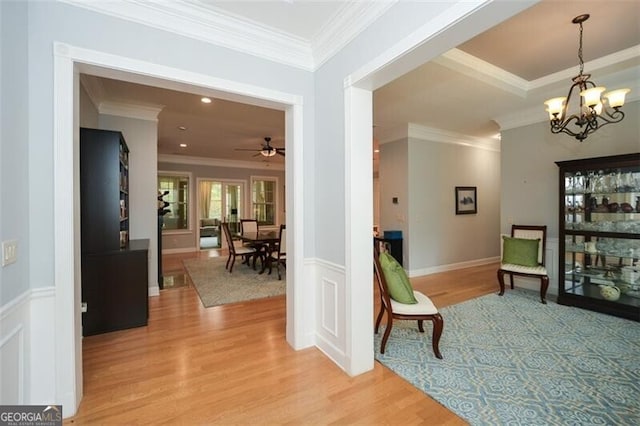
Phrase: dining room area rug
pixel 216 286
pixel 512 360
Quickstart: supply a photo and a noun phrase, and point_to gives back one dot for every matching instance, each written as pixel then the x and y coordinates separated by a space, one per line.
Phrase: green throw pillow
pixel 520 251
pixel 398 283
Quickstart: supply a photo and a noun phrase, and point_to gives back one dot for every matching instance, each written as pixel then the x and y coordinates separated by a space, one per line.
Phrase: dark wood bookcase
pixel 114 268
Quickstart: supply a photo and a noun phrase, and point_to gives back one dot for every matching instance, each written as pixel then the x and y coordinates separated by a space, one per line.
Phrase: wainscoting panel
pixel 330 311
pixel 14 323
pixel 329 303
pixel 27 356
pixel 42 362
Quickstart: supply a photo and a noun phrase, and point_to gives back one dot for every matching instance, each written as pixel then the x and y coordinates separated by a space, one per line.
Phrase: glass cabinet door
pixel 600 234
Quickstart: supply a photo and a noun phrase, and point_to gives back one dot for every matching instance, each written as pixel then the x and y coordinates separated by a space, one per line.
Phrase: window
pixel 263 200
pixel 177 188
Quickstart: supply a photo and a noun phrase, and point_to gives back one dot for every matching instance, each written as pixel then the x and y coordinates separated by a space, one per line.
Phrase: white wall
pixel 142 139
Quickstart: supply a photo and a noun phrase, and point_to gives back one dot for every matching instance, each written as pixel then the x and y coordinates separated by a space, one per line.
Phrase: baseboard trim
pixel 452 266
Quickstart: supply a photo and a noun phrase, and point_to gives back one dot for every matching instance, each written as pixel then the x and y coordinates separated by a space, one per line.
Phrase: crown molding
pixel 388 135
pixel 431 134
pixel 478 69
pixel 521 118
pixel 349 21
pixel 211 25
pixel 140 112
pixel 94 88
pixel 218 162
pixel 217 26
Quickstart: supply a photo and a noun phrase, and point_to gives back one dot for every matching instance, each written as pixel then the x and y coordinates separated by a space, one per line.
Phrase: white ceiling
pixel 497 77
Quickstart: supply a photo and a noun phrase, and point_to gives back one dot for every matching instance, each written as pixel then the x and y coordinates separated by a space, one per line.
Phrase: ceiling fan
pixel 267 150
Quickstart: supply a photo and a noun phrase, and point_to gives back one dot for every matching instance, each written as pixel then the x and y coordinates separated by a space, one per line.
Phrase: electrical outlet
pixel 9 252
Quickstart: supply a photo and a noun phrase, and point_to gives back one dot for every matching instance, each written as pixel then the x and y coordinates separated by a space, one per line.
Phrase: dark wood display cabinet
pixel 600 234
pixel 114 268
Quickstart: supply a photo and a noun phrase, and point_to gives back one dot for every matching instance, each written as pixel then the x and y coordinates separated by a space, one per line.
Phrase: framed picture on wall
pixel 466 200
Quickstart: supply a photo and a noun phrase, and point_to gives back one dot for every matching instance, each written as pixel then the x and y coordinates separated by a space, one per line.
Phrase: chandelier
pixel 592 112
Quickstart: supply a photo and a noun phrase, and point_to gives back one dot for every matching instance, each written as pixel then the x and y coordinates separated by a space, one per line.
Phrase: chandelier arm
pixel 563 116
pixel 589 118
pixel 614 116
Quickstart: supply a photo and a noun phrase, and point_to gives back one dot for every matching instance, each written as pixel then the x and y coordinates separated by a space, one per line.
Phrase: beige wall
pixel 437 236
pixel 529 192
pixel 423 175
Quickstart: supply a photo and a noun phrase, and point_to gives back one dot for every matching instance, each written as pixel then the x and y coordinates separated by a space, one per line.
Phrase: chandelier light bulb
pixel 616 97
pixel 555 107
pixel 591 113
pixel 592 96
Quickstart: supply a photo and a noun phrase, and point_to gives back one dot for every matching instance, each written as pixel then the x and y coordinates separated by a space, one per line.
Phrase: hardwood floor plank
pixel 232 365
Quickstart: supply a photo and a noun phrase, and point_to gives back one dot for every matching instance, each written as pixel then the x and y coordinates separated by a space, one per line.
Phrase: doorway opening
pixel 219 201
pixel 69 62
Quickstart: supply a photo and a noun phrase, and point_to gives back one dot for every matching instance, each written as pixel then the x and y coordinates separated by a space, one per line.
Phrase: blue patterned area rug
pixel 512 361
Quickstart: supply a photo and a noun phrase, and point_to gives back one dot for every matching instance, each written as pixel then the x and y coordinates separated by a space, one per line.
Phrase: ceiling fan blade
pixel 280 152
pixel 247 149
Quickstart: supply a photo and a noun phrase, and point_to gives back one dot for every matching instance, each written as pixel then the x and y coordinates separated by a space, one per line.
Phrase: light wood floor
pixel 232 365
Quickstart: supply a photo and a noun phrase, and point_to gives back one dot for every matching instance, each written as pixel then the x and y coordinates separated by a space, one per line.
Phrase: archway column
pixel 359 222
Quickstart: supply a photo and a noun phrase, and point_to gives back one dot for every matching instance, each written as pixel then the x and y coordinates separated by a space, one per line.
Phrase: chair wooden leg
pixel 387 332
pixel 438 325
pixel 233 260
pixel 501 281
pixel 228 260
pixel 511 281
pixel 544 285
pixel 420 326
pixel 379 318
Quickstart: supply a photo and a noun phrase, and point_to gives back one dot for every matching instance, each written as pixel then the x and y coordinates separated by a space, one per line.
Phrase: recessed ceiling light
pixel 183 145
pixel 376 150
pixel 182 128
pixel 205 100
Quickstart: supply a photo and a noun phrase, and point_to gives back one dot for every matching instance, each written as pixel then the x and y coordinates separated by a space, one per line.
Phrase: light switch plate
pixel 9 252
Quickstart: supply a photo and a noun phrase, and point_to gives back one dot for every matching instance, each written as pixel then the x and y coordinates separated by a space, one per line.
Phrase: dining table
pixel 267 239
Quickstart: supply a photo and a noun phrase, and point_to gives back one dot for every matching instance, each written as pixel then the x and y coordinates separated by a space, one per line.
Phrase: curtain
pixel 205 198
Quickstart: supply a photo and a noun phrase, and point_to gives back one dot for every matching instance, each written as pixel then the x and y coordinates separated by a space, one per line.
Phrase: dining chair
pixel 523 254
pixel 234 251
pixel 279 255
pixel 248 225
pixel 423 310
pixel 251 226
